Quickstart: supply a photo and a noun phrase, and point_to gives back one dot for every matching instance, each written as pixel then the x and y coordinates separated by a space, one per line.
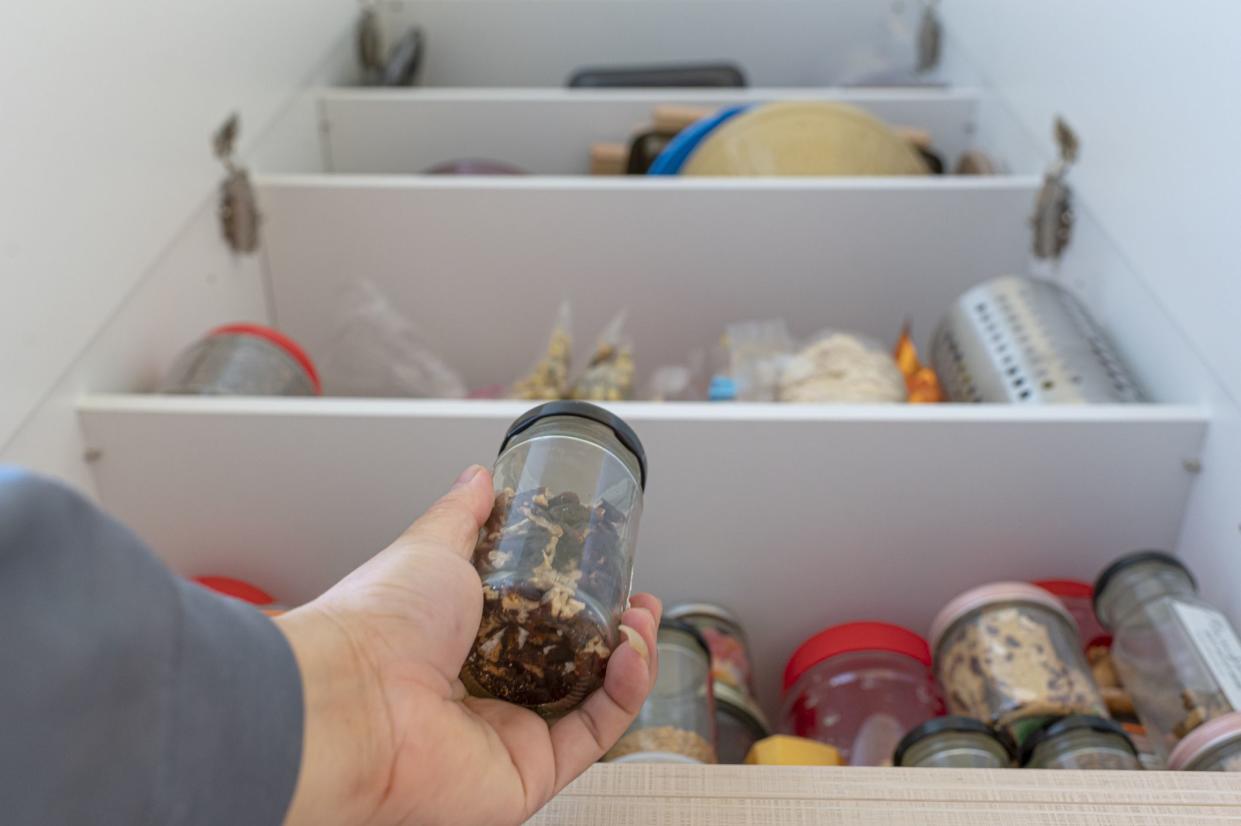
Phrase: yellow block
pixel 784 750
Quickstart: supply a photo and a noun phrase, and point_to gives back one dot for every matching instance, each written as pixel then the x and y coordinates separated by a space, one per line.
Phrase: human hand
pixel 390 735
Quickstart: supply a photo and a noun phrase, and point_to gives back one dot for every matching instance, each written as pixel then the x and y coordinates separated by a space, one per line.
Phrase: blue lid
pixel 722 389
pixel 678 150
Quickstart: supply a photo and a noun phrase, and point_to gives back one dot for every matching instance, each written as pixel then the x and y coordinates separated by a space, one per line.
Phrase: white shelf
pixel 479 266
pixel 541 42
pixel 795 516
pixel 550 131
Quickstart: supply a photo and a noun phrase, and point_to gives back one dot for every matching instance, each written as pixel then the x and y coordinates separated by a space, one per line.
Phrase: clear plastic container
pixel 1178 657
pixel 1080 742
pixel 677 721
pixel 242 360
pixel 1009 654
pixel 556 556
pixel 1212 747
pixel 955 743
pixel 860 687
pixel 739 724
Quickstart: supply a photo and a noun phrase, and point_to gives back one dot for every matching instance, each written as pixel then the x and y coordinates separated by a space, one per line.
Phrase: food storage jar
pixel 1080 742
pixel 677 721
pixel 954 743
pixel 1214 746
pixel 1008 654
pixel 730 651
pixel 556 556
pixel 739 724
pixel 1178 657
pixel 860 687
pixel 1078 597
pixel 243 360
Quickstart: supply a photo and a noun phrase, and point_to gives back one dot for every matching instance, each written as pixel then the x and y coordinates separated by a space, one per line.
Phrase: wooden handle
pixel 608 158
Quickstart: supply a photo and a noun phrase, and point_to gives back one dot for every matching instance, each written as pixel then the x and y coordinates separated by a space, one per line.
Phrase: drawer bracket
pixel 238 208
pixel 1052 221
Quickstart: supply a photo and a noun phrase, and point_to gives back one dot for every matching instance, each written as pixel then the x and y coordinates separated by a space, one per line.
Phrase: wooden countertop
pixel 630 795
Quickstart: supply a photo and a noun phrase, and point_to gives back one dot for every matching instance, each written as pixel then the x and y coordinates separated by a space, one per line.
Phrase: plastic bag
pixel 841 367
pixel 757 351
pixel 609 375
pixel 679 382
pixel 549 379
pixel 377 352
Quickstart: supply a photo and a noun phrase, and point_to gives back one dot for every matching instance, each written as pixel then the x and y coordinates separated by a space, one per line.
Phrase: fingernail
pixel 635 639
pixel 467 476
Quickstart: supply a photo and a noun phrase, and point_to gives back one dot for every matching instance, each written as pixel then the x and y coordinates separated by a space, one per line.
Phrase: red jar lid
pixel 279 339
pixel 237 589
pixel 853 637
pixel 1067 588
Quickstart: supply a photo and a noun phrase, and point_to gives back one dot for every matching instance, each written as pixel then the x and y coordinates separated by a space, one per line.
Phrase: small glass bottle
pixel 677 721
pixel 955 743
pixel 1080 742
pixel 1009 654
pixel 859 687
pixel 739 724
pixel 556 556
pixel 1177 656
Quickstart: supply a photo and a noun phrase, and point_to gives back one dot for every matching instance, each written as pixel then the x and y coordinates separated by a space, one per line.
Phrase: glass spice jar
pixel 1214 746
pixel 242 360
pixel 556 556
pixel 1009 654
pixel 860 687
pixel 677 721
pixel 955 743
pixel 1177 656
pixel 1080 742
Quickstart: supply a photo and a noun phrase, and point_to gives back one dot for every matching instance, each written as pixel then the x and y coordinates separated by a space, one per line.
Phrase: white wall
pixel 1151 89
pixel 106 110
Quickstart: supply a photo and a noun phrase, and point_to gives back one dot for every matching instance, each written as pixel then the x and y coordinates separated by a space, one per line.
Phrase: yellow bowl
pixel 810 138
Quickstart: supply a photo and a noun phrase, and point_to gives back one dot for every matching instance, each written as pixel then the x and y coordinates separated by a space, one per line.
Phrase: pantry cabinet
pixel 794 516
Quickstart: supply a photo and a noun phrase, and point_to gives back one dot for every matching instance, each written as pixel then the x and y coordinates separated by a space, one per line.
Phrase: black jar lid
pixel 1137 558
pixel 582 410
pixel 959 725
pixel 1077 722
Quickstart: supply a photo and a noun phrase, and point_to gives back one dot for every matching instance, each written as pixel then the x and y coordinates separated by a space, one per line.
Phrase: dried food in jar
pixel 664 740
pixel 1009 654
pixel 550 377
pixel 548 561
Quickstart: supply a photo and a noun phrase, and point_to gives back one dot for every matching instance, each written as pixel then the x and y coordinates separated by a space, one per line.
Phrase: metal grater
pixel 1026 341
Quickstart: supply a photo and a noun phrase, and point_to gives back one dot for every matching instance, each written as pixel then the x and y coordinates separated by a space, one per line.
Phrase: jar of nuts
pixel 677 721
pixel 1080 742
pixel 1177 656
pixel 1009 654
pixel 556 556
pixel 1212 747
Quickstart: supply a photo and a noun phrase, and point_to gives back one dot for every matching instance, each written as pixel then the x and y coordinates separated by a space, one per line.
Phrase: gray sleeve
pixel 127 695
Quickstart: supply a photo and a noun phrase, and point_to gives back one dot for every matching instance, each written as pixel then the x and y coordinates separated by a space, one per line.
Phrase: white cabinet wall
pixel 831 513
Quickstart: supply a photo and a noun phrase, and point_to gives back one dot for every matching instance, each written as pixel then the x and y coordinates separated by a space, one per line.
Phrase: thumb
pixel 453 522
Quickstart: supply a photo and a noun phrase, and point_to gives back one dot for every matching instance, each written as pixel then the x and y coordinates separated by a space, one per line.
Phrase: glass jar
pixel 1212 747
pixel 242 360
pixel 1178 657
pixel 677 721
pixel 1009 654
pixel 1078 597
pixel 556 556
pixel 1080 742
pixel 739 724
pixel 730 651
pixel 954 743
pixel 860 687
